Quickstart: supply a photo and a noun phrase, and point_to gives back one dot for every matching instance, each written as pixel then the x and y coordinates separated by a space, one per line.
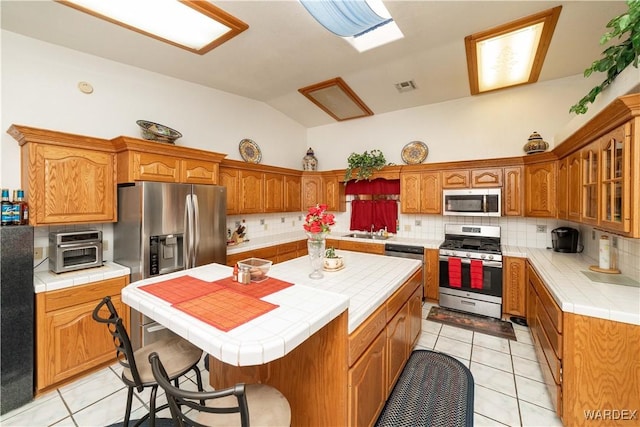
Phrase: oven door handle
pixel 485 263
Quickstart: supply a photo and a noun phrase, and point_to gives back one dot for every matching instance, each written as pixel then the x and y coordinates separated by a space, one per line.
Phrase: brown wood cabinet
pixel 68 179
pixel 562 193
pixel 68 341
pixel 590 188
pixel 456 179
pixel 615 179
pixel 229 178
pixel 312 192
pixel 489 178
pixel 514 286
pixel 142 160
pixel 588 363
pixel 357 246
pixel 431 275
pixel 251 191
pixel 574 187
pixel 421 192
pixel 544 318
pixel 273 192
pixel 334 193
pixel 540 190
pixel 513 192
pixel 292 193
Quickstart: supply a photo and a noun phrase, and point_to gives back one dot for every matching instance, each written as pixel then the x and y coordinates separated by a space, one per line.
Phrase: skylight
pixel 197 26
pixel 365 24
pixel 511 54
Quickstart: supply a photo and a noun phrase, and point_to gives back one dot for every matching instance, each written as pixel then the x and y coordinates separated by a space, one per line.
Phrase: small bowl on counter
pixel 258 268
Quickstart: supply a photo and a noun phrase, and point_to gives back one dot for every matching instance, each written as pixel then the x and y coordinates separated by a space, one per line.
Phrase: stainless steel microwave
pixel 472 202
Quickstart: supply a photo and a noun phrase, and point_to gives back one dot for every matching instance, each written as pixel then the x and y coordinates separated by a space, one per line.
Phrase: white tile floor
pixel 508 385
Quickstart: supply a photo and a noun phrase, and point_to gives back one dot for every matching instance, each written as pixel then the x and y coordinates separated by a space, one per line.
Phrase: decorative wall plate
pixel 250 151
pixel 415 152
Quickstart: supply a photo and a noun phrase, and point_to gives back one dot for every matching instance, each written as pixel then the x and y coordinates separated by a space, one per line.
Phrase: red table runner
pixel 181 289
pixel 256 290
pixel 224 303
pixel 225 309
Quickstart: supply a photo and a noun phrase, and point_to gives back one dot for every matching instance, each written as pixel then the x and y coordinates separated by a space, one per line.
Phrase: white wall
pixel 39 89
pixel 487 126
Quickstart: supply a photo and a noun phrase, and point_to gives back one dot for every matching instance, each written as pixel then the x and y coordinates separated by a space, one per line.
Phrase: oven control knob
pixel 468 255
pixel 490 257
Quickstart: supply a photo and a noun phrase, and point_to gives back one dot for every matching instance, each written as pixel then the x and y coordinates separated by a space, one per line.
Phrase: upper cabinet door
pixel 292 194
pixel 71 185
pixel 574 187
pixel 563 189
pixel 273 192
pixel 229 178
pixel 615 184
pixel 488 178
pixel 251 192
pixel 512 195
pixel 540 190
pixel 430 193
pixel 455 179
pixel 590 187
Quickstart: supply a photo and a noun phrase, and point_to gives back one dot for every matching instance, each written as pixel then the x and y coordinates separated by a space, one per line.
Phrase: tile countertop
pixel 365 283
pixel 277 239
pixel 575 292
pixel 44 281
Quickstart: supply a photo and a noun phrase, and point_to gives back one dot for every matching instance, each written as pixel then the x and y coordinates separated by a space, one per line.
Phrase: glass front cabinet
pixel 615 183
pixel 590 183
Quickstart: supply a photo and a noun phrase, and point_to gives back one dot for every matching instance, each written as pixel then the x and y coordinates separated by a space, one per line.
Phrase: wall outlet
pixel 407 227
pixel 266 227
pixel 299 217
pixel 262 222
pixel 593 234
pixel 541 228
pixel 105 245
pixel 237 223
pixel 418 222
pixel 614 241
pixel 37 253
pixel 282 220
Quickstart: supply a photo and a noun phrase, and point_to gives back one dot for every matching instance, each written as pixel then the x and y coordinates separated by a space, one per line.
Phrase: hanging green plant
pixel 618 57
pixel 364 164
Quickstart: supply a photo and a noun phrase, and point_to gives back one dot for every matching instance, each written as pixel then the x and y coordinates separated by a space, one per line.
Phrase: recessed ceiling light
pixel 511 54
pixel 197 26
pixel 337 99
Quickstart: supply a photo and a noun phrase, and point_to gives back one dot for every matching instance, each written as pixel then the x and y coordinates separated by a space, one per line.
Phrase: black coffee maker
pixel 565 239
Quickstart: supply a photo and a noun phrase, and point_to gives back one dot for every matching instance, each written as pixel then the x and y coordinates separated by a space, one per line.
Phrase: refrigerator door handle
pixel 196 228
pixel 188 229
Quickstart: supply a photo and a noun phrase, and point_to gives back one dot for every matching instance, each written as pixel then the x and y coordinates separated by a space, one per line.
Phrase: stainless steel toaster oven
pixel 69 251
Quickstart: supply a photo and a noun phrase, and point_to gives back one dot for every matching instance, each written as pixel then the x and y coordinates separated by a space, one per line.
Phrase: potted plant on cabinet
pixel 364 165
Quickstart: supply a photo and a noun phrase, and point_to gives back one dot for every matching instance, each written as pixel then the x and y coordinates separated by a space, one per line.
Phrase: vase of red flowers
pixel 317 225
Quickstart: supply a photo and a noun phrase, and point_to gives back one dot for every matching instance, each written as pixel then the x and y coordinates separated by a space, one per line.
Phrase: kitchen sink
pixel 367 236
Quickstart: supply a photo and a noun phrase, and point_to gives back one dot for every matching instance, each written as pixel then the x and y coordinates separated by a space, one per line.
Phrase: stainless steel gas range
pixel 471 269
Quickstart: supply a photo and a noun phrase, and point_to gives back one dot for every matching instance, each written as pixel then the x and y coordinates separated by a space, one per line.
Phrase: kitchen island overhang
pixel 303 309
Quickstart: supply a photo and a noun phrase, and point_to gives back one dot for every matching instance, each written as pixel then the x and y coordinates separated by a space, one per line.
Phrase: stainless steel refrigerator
pixel 166 227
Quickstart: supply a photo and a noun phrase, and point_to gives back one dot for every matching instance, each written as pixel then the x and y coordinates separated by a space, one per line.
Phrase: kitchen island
pixel 334 347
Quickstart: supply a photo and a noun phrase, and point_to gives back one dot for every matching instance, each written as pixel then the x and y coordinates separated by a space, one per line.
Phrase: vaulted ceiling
pixel 285 49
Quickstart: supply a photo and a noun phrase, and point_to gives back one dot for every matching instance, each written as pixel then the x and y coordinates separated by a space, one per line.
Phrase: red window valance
pixel 375 186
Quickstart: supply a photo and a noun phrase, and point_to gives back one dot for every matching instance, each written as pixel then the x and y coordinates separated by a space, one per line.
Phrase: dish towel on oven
pixel 476 274
pixel 455 272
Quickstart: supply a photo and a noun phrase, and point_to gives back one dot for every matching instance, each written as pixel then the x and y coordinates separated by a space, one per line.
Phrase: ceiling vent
pixel 407 86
